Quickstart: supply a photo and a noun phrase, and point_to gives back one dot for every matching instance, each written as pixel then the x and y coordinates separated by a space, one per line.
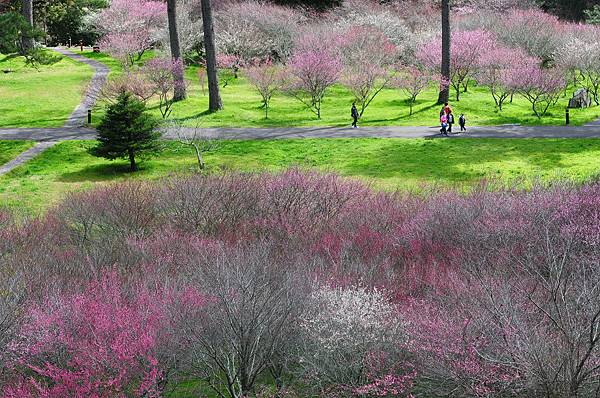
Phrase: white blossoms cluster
pixel 341 327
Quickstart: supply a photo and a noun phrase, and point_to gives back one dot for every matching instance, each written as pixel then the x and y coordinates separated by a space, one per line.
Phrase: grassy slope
pixel 40 98
pixel 242 107
pixel 387 163
pixel 10 149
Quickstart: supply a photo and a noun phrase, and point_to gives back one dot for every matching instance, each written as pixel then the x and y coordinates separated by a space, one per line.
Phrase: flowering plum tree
pixel 538 33
pixel 162 74
pixel 541 87
pixel 341 328
pixel 580 56
pixel 267 79
pixel 230 66
pixel 253 29
pixel 129 27
pixel 500 69
pixel 251 311
pixel 314 68
pixel 466 51
pixel 413 81
pixel 133 81
pixel 367 55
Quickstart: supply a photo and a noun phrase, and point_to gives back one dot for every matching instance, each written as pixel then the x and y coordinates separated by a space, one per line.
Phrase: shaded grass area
pixel 391 108
pixel 10 149
pixel 386 163
pixel 40 98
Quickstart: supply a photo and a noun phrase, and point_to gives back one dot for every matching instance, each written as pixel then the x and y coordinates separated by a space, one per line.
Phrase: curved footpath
pixel 75 121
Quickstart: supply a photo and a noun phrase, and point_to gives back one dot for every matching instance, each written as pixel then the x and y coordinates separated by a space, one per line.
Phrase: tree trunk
pixel 214 101
pixel 132 164
pixel 27 43
pixel 445 93
pixel 199 157
pixel 175 48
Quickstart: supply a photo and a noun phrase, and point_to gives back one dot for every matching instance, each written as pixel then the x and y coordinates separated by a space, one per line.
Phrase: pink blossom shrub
pixel 100 342
pixel 413 81
pixel 541 87
pixel 501 69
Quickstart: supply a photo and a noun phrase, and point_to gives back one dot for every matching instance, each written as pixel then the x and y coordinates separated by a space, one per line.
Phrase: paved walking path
pixel 79 116
pixel 49 137
pixel 26 156
pixel 63 134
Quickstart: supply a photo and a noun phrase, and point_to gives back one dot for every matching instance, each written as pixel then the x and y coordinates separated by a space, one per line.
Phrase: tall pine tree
pixel 127 131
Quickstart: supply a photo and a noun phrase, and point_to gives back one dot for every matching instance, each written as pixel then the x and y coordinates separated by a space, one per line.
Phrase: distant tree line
pixel 574 10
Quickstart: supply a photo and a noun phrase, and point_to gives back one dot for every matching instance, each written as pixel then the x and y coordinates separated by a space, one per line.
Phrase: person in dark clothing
pixel 354 116
pixel 450 122
pixel 462 121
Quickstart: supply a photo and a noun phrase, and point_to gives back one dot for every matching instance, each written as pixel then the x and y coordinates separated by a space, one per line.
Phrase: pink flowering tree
pixel 466 51
pixel 267 79
pixel 541 87
pixel 500 69
pixel 129 27
pixel 368 56
pixel 452 354
pixel 314 68
pixel 162 74
pixel 230 66
pixel 413 81
pixel 103 341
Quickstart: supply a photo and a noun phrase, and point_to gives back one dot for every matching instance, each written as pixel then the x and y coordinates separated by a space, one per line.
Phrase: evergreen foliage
pixel 126 131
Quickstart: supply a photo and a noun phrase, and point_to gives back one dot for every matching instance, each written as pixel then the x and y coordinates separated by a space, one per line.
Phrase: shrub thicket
pixel 310 283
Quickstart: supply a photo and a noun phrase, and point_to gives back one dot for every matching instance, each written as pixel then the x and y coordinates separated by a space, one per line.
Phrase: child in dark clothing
pixel 462 121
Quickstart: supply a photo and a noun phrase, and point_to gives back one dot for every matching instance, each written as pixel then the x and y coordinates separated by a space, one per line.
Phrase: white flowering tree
pixel 340 330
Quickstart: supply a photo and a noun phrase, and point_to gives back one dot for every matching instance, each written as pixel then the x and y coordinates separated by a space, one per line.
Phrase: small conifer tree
pixel 126 131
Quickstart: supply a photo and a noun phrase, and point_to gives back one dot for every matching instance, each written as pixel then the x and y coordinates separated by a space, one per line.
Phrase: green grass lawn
pixel 10 149
pixel 40 98
pixel 386 163
pixel 243 107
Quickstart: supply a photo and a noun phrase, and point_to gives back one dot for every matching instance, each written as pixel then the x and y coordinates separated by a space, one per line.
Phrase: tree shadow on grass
pixel 458 162
pixel 407 116
pixel 191 117
pixel 8 57
pixel 101 172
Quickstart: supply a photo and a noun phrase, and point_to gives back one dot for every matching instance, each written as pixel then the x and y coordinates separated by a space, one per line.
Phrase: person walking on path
pixel 444 123
pixel 447 109
pixel 462 121
pixel 354 116
pixel 450 119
